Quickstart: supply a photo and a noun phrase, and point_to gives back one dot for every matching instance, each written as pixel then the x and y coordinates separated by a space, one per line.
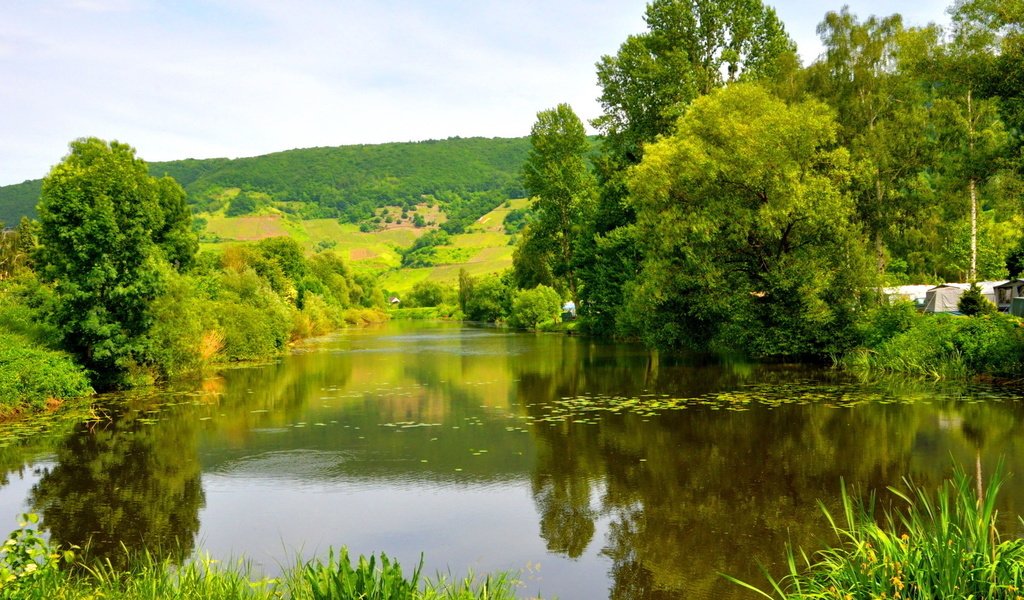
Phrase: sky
pixel 228 78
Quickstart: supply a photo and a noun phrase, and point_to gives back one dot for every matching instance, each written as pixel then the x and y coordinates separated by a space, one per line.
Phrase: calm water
pixel 489 450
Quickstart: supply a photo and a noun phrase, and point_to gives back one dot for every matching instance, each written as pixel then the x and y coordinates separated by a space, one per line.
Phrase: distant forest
pixel 466 176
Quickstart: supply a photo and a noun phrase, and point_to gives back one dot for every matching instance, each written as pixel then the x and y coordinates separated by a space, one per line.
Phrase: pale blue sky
pixel 191 78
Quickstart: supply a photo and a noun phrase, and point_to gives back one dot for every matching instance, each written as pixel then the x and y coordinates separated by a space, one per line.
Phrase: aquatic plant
pixel 941 545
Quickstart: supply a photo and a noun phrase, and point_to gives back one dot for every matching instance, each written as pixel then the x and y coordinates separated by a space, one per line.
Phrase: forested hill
pixel 344 181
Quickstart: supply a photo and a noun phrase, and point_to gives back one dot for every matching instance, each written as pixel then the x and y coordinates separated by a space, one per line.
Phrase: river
pixel 592 469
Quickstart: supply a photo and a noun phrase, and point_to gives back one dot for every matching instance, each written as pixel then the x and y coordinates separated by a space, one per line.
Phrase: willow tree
pixel 749 235
pixel 690 48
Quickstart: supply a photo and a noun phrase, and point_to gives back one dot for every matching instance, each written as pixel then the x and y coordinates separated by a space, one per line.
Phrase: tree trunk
pixel 973 190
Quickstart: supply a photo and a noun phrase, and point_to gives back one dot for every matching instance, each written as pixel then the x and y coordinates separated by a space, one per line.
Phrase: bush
pixel 973 302
pixel 531 308
pixel 487 300
pixel 31 375
pixel 426 293
pixel 949 346
pixel 888 320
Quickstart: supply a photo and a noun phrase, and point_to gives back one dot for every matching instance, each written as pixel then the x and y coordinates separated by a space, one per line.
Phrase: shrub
pixel 950 347
pixel 973 302
pixel 426 293
pixel 487 300
pixel 888 320
pixel 31 375
pixel 531 308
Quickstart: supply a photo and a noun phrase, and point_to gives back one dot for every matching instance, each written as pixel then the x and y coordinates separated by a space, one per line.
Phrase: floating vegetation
pixel 588 409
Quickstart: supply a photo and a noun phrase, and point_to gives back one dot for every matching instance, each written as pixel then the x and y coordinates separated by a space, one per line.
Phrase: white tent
pixel 942 298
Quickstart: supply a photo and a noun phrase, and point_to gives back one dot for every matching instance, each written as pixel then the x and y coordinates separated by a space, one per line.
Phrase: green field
pixel 483 249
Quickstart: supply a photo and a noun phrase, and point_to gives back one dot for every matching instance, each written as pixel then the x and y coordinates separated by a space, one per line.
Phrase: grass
pixel 31 569
pixel 938 545
pixel 34 377
pixel 945 347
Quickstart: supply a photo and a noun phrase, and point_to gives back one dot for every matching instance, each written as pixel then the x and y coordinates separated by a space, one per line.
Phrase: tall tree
pixel 101 219
pixel 747 229
pixel 690 48
pixel 882 116
pixel 558 176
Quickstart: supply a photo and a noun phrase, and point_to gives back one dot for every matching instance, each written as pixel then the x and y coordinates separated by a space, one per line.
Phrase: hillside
pixel 19 200
pixel 483 248
pixel 466 177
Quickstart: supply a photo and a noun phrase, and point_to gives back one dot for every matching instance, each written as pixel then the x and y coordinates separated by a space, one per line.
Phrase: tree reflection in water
pixel 124 482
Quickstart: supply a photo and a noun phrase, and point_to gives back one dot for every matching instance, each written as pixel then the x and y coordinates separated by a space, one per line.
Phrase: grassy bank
pixel 32 569
pixel 899 340
pixel 33 377
pixel 942 544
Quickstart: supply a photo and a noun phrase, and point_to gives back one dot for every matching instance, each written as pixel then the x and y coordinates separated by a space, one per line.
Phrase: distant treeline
pixel 466 176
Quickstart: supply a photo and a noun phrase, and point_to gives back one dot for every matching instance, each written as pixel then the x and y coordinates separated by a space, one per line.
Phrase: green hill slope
pixel 19 200
pixel 466 177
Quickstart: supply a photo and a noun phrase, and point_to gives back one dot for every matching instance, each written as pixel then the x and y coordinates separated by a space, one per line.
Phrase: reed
pixel 931 545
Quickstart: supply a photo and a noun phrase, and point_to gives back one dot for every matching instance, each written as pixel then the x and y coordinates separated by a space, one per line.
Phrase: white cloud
pixel 246 77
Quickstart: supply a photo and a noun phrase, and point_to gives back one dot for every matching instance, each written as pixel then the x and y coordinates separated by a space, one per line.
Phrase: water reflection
pixel 123 485
pixel 446 440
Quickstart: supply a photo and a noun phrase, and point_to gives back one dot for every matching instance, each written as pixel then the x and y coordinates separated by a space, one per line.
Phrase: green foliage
pixel 32 568
pixel 944 544
pixel 351 182
pixel 746 233
pixel 888 320
pixel 242 204
pixel 427 293
pixel 945 346
pixel 19 200
pixel 487 299
pixel 517 219
pixel 1015 260
pixel 339 579
pixel 423 252
pixel 31 375
pixel 688 48
pixel 558 176
pixel 973 303
pixel 26 557
pixel 103 236
pixel 533 308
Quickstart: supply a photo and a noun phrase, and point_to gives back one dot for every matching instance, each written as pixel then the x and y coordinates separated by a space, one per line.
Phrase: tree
pixel 101 225
pixel 690 48
pixel 557 175
pixel 533 307
pixel 748 241
pixel 973 303
pixel 175 236
pixel 882 116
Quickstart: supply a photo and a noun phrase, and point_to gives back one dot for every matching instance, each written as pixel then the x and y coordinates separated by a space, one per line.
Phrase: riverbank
pixel 896 339
pixel 33 569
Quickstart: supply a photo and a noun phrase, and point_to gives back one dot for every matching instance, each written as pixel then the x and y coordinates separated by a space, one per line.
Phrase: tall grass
pixel 32 569
pixel 940 346
pixel 938 545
